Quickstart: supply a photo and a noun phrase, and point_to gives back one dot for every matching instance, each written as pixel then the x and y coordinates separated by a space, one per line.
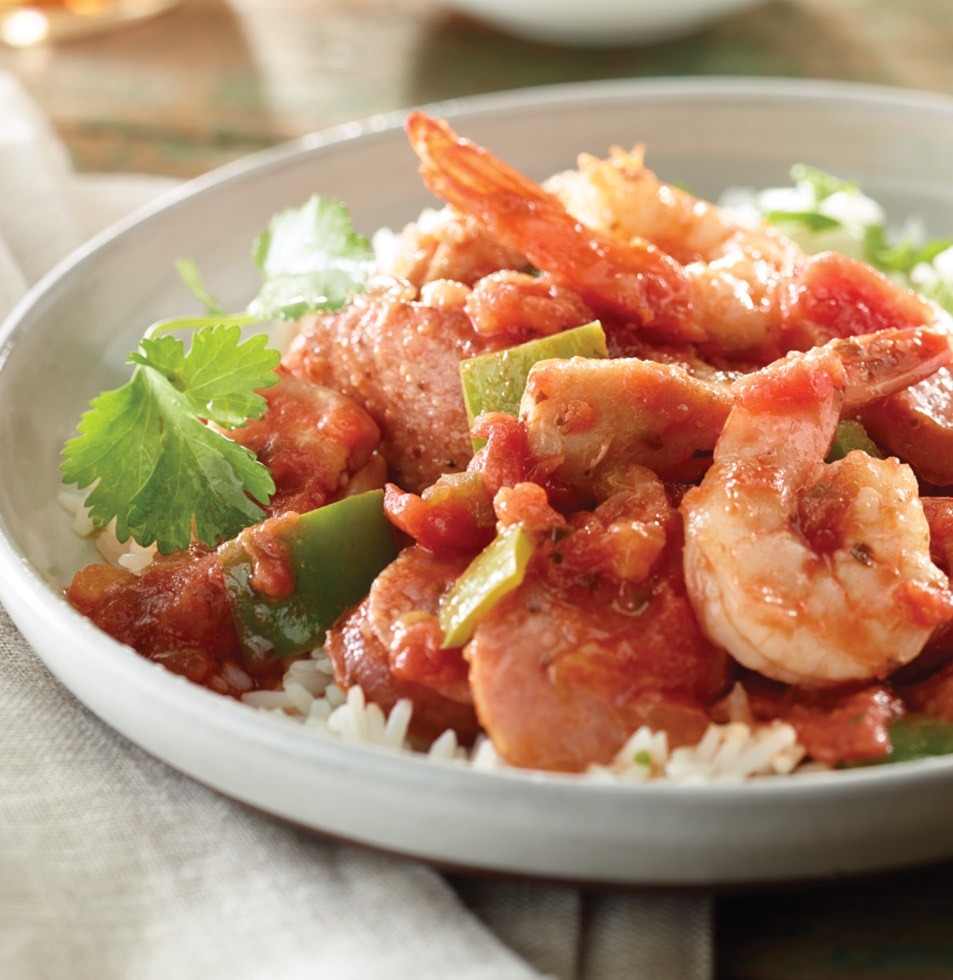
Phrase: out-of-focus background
pixel 210 80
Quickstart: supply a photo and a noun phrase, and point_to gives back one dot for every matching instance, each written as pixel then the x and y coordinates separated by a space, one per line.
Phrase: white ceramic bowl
pixel 598 22
pixel 70 337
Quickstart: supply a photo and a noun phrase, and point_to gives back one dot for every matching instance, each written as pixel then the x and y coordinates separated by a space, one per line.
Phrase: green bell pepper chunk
pixel 333 553
pixel 495 382
pixel 851 435
pixel 913 737
pixel 919 736
pixel 495 572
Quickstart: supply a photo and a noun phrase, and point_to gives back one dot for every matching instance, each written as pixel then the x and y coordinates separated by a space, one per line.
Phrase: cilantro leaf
pixel 310 258
pixel 899 257
pixel 197 463
pixel 811 220
pixel 219 375
pixel 158 466
pixel 904 255
pixel 933 248
pixel 189 274
pixel 116 442
pixel 822 183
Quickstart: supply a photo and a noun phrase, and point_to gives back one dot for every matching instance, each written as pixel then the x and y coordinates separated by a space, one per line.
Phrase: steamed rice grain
pixel 730 753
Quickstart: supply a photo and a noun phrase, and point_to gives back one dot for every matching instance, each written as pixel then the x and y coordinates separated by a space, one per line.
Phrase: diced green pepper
pixel 913 737
pixel 495 382
pixel 851 435
pixel 495 572
pixel 919 736
pixel 333 554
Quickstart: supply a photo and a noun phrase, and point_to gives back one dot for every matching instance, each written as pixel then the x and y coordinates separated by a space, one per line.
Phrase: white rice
pixel 728 753
pixel 129 555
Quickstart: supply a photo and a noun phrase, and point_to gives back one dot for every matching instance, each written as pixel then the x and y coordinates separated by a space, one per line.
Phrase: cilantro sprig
pixel 310 258
pixel 157 466
pixel 154 463
pixel 821 221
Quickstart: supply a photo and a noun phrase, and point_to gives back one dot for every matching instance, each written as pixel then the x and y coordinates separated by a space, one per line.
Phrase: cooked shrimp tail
pixel 883 363
pixel 635 279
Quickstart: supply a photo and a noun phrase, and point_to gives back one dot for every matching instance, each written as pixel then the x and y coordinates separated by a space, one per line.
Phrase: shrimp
pixel 445 245
pixel 633 279
pixel 809 573
pixel 622 198
pixel 675 267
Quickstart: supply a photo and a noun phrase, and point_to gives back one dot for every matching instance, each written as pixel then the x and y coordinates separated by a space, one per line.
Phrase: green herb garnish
pixel 815 228
pixel 158 468
pixel 810 220
pixel 156 465
pixel 192 279
pixel 822 184
pixel 310 259
pixel 902 256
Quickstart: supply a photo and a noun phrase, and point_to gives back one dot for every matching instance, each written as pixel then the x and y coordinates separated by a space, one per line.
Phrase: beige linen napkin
pixel 115 867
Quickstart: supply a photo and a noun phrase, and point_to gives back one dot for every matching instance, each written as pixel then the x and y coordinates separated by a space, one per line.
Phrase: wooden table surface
pixel 215 79
pixel 212 80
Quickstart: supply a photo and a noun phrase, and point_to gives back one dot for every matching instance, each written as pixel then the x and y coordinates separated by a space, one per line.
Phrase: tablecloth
pixel 115 867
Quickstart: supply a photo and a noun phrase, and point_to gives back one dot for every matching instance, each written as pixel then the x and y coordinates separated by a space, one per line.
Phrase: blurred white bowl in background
pixel 598 22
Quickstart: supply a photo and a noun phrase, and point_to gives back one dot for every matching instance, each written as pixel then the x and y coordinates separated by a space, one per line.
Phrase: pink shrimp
pixel 815 574
pixel 676 268
pixel 634 280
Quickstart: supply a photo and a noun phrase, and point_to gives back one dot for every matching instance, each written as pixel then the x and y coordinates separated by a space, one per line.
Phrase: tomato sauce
pixel 178 614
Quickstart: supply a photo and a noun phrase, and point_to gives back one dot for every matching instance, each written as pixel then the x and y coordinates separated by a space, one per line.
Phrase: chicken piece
pixel 596 417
